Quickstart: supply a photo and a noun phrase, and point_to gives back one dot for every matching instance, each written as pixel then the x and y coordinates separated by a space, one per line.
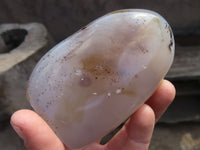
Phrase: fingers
pixel 118 141
pixel 140 128
pixel 136 133
pixel 36 134
pixel 162 98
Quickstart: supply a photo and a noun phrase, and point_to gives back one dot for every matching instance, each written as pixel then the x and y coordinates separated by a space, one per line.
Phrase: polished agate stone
pixel 95 79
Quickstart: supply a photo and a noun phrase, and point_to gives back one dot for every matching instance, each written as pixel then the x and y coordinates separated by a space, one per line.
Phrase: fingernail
pixel 19 131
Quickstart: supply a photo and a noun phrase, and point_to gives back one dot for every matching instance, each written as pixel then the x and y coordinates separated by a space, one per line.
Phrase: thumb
pixel 37 135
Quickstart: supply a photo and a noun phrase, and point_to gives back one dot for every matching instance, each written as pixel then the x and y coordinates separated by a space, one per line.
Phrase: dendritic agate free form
pixel 92 81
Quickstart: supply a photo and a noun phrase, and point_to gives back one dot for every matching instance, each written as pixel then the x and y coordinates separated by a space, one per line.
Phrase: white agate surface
pixel 92 81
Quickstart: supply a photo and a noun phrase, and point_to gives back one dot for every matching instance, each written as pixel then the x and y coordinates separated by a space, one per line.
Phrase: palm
pixel 134 135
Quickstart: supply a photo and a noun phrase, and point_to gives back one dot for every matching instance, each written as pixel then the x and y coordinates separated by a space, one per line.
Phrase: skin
pixel 134 135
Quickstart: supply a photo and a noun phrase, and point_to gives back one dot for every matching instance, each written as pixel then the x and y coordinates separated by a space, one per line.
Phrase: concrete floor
pixel 181 136
pixel 9 140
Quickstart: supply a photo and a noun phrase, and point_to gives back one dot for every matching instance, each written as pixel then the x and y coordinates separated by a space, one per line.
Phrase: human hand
pixel 134 135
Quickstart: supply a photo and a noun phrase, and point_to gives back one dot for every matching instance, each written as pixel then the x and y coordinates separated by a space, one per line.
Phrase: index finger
pixel 162 98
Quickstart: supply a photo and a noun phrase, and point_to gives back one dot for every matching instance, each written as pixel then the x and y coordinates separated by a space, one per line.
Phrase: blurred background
pixel 29 28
